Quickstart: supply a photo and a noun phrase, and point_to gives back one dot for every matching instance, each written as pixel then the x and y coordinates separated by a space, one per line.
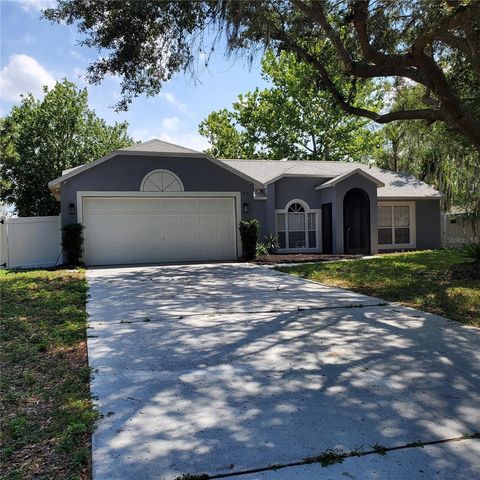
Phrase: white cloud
pixel 22 75
pixel 28 39
pixel 36 5
pixel 78 56
pixel 171 123
pixel 189 140
pixel 170 98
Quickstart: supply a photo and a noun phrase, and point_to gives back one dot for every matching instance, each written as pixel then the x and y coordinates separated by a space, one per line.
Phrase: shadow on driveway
pixel 217 369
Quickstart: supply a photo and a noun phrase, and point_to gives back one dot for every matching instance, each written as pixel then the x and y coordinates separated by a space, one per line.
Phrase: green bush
pixel 249 234
pixel 472 251
pixel 72 243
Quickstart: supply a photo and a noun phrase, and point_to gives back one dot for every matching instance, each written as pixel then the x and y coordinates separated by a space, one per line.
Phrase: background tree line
pixel 295 120
pixel 346 56
pixel 41 138
pixel 337 69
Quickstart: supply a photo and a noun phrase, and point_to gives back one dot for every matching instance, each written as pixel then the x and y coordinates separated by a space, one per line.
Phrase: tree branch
pixel 469 48
pixel 432 115
pixel 415 65
pixel 462 16
pixel 359 20
pixel 318 15
pixel 473 41
pixel 453 41
pixel 383 65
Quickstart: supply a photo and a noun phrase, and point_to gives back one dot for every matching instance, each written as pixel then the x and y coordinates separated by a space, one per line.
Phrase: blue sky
pixel 35 52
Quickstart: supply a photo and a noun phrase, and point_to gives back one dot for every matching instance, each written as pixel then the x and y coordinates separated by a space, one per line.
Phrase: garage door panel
pixel 222 207
pixel 113 256
pixel 113 206
pixel 108 235
pixel 153 230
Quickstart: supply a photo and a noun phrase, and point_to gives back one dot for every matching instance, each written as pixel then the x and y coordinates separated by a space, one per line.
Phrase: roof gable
pixel 153 147
pixel 159 146
pixel 340 178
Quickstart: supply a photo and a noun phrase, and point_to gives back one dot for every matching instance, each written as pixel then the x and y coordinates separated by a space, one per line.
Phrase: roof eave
pixel 298 175
pixel 437 196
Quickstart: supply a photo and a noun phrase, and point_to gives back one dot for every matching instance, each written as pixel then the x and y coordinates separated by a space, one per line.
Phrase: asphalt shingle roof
pixel 265 171
pixel 396 184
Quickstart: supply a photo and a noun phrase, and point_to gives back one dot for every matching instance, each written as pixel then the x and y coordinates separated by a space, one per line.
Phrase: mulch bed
pixel 277 258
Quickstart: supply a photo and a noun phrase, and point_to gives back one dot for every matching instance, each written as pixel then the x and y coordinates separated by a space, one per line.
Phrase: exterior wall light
pixel 71 209
pixel 246 207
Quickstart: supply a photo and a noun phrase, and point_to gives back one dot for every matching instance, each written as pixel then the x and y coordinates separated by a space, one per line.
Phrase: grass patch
pixel 423 280
pixel 380 449
pixel 327 458
pixel 46 408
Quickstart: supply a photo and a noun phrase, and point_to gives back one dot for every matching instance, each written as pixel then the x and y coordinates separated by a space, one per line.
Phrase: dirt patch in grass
pixel 46 409
pixel 436 281
pixel 278 258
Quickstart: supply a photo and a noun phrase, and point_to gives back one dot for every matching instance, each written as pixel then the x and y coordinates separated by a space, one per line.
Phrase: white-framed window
pixel 396 225
pixel 297 226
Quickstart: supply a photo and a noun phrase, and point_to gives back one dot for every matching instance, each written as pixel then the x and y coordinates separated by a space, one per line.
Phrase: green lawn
pixel 417 279
pixel 46 410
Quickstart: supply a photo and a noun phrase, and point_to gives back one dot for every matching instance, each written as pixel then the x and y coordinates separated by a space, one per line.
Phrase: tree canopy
pixel 433 154
pixel 40 138
pixel 435 44
pixel 291 119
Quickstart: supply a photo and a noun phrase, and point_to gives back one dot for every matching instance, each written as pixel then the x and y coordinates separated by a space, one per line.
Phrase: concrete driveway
pixel 236 370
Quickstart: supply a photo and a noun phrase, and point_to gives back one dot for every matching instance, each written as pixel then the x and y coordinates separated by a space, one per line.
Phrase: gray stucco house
pixel 159 202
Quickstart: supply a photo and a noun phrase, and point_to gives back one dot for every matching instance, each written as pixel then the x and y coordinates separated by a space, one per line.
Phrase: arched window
pixel 161 181
pixel 297 226
pixel 296 208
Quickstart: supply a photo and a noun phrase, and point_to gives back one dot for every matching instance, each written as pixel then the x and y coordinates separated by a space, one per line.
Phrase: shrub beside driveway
pixel 46 410
pixel 427 280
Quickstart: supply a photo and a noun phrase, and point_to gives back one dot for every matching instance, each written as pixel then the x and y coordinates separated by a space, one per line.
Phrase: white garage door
pixel 123 230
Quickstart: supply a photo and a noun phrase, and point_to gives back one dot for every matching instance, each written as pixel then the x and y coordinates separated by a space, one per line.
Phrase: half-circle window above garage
pixel 161 181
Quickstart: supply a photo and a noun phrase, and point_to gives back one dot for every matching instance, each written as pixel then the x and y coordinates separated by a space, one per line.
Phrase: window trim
pixel 162 170
pixel 308 210
pixel 412 216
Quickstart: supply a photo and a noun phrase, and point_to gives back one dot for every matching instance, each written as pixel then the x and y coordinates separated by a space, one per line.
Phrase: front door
pixel 356 221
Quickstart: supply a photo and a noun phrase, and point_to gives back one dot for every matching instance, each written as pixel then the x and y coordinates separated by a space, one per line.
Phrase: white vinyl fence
pixel 30 242
pixel 457 231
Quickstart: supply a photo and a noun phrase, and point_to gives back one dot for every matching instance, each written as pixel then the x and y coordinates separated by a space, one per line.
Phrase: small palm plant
pixel 261 249
pixel 271 242
pixel 472 251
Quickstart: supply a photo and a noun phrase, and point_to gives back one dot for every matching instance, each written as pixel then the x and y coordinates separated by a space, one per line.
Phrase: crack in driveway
pixel 332 456
pixel 181 315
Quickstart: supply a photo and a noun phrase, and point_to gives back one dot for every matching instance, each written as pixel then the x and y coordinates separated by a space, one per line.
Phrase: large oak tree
pixel 429 42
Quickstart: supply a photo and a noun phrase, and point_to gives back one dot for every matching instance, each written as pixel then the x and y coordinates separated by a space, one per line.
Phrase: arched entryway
pixel 356 222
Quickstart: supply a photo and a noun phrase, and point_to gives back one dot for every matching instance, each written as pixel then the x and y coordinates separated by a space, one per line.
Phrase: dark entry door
pixel 327 234
pixel 356 221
